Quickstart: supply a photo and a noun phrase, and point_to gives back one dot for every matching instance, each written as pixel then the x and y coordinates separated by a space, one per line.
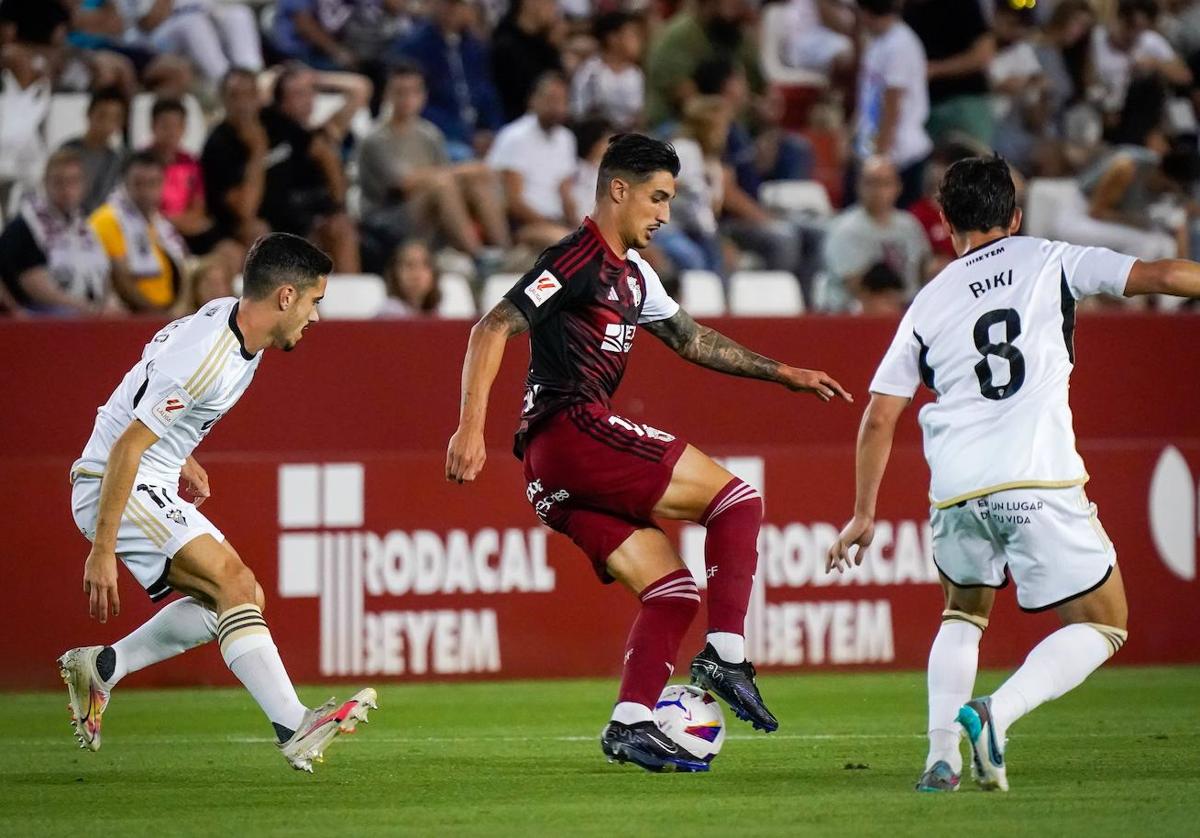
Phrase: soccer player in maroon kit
pixel 602 479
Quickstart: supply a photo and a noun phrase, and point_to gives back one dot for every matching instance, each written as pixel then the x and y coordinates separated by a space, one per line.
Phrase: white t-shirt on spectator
pixel 543 159
pixel 1114 68
pixel 896 59
pixel 807 43
pixel 1016 61
pixel 617 95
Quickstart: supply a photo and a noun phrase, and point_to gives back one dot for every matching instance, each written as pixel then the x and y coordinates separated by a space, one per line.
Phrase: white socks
pixel 181 625
pixel 729 646
pixel 953 661
pixel 250 653
pixel 1057 665
pixel 630 713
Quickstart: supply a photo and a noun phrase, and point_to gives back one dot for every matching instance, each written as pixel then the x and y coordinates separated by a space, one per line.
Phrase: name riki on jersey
pixel 981 287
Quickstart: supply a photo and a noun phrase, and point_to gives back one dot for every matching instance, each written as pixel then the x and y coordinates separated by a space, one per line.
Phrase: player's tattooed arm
pixel 504 318
pixel 709 348
pixel 467 452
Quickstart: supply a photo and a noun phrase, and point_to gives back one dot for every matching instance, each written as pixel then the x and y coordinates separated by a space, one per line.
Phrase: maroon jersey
pixel 584 304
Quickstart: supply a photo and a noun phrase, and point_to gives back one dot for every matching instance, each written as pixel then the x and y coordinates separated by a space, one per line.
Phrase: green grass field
pixel 1118 757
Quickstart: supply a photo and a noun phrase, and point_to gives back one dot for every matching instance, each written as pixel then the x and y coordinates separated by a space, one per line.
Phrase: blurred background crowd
pixel 434 147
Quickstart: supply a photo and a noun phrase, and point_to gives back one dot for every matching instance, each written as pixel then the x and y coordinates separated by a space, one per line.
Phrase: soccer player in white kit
pixel 125 501
pixel 992 337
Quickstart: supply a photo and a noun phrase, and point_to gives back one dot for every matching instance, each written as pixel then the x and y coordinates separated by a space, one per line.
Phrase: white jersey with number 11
pixel 993 337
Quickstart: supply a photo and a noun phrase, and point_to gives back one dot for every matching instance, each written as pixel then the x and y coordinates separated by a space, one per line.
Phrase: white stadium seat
pixel 353 297
pixel 497 286
pixel 765 294
pixel 797 197
pixel 139 123
pixel 458 303
pixel 67 118
pixel 702 294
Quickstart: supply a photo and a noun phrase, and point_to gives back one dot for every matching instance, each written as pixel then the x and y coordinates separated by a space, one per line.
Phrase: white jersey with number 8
pixel 993 336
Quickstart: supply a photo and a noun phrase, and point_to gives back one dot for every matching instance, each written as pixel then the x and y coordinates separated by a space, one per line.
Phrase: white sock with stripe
pixel 953 663
pixel 250 653
pixel 180 625
pixel 1057 665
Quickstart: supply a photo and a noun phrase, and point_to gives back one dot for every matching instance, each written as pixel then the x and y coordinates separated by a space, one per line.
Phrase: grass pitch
pixel 1117 757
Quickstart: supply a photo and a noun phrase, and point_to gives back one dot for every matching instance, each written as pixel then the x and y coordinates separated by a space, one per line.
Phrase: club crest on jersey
pixel 635 289
pixel 177 516
pixel 543 288
pixel 171 407
pixel 618 337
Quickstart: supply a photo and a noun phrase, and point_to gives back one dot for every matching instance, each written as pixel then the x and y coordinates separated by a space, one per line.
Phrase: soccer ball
pixel 692 718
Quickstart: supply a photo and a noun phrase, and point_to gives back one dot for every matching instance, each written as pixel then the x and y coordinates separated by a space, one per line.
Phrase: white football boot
pixel 987 749
pixel 322 724
pixel 88 696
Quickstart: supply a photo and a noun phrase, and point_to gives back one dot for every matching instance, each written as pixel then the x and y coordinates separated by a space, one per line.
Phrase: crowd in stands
pixel 419 139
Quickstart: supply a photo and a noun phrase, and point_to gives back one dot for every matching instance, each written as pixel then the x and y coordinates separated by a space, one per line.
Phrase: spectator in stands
pixel 536 159
pixel 463 101
pixel 893 100
pixel 881 292
pixel 959 47
pixel 525 46
pixel 215 34
pixel 310 31
pixel 210 280
pixel 1130 48
pixel 691 240
pixel 611 85
pixel 1064 51
pixel 710 29
pixel 183 183
pixel 100 28
pixel 107 113
pixel 409 182
pixel 234 162
pixel 591 140
pixel 50 259
pixel 870 233
pixel 411 282
pixel 24 105
pixel 1018 87
pixel 146 252
pixel 818 36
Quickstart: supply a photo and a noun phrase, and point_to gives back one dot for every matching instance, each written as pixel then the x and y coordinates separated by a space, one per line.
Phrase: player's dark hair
pixel 1127 10
pixel 146 157
pixel 880 7
pixel 405 67
pixel 107 94
pixel 282 259
pixel 610 23
pixel 162 106
pixel 712 74
pixel 977 194
pixel 634 158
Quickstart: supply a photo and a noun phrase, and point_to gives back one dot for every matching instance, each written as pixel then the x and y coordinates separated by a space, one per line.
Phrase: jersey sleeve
pixel 541 293
pixel 1095 270
pixel 175 382
pixel 899 372
pixel 659 305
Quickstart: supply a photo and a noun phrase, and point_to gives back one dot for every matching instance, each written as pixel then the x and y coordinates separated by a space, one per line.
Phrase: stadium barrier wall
pixel 328 479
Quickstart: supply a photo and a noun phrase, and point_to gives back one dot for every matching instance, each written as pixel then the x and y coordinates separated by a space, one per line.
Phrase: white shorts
pixel 1050 540
pixel 157 523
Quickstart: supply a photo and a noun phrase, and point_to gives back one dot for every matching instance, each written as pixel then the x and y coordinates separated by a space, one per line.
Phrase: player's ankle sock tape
pixel 106 663
pixel 950 614
pixel 241 629
pixel 1116 637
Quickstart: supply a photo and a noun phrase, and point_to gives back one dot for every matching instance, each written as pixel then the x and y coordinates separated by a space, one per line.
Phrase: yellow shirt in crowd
pixel 158 289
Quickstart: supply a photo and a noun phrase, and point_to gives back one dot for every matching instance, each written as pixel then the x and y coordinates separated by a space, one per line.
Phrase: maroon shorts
pixel 596 476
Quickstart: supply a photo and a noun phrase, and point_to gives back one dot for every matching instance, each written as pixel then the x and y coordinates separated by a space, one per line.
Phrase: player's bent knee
pixel 260 599
pixel 737 499
pixel 951 615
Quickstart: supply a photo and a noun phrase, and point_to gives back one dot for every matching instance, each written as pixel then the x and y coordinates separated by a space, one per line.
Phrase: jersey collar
pixel 983 246
pixel 591 227
pixel 237 333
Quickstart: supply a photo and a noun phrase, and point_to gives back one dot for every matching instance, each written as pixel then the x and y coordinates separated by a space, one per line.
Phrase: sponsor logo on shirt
pixel 543 288
pixel 171 407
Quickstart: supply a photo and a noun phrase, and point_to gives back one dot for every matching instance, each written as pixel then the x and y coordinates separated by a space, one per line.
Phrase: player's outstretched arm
pixel 1178 277
pixel 709 348
pixel 100 569
pixel 874 448
pixel 466 453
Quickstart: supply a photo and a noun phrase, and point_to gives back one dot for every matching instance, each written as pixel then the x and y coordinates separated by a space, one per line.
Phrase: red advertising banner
pixel 327 479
